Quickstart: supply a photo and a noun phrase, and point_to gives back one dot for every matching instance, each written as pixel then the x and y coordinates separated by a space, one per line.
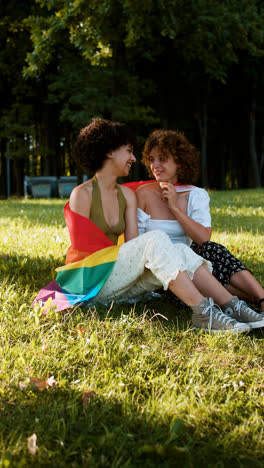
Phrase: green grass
pixel 164 395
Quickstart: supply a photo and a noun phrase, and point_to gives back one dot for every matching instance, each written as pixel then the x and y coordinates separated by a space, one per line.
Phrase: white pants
pixel 147 263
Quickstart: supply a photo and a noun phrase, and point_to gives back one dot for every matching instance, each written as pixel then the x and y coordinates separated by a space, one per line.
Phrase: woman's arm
pixel 140 196
pixel 196 231
pixel 131 230
pixel 80 200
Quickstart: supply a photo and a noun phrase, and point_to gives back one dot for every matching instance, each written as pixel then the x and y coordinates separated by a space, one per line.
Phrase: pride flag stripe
pixel 107 255
pixel 84 280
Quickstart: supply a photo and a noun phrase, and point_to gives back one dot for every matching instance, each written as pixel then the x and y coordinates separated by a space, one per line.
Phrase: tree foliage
pixel 194 65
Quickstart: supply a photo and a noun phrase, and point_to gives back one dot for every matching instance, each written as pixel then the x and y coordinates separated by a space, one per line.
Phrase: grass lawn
pixel 134 386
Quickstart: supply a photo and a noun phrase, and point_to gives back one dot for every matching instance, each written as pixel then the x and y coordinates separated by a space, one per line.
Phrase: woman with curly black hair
pixel 182 211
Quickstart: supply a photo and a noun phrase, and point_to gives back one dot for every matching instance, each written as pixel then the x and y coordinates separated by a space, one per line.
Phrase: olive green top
pixel 97 213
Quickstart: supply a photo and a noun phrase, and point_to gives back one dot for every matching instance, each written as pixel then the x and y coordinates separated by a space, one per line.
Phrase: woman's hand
pixel 169 194
pixel 196 231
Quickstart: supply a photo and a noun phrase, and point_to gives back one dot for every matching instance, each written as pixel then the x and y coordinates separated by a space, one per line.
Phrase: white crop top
pixel 197 209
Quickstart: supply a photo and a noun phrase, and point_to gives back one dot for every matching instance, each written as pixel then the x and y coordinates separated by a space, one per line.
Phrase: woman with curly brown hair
pixel 182 211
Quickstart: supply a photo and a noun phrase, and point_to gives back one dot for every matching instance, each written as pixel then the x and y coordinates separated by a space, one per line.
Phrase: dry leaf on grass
pixel 32 444
pixel 79 329
pixel 86 396
pixel 42 384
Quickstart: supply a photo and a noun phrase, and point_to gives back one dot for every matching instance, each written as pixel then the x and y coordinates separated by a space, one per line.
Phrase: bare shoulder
pixel 82 191
pixel 81 197
pixel 128 193
pixel 145 192
pixel 147 188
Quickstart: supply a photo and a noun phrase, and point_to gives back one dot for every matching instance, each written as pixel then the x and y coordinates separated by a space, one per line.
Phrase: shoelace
pixel 241 306
pixel 217 314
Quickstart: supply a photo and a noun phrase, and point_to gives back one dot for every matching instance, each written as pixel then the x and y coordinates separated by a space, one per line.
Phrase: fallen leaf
pixel 86 396
pixel 39 384
pixel 32 444
pixel 79 329
pixel 201 348
pixel 42 384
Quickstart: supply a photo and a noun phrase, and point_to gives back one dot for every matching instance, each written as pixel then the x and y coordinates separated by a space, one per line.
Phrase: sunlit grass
pixel 163 395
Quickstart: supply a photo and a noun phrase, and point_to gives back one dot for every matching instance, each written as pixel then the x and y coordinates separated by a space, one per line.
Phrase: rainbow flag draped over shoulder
pixel 89 262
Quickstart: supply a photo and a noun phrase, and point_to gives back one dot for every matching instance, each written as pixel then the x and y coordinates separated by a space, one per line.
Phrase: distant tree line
pixel 192 65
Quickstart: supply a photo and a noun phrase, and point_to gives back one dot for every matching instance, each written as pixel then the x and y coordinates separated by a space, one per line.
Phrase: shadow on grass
pixel 29 271
pixel 34 273
pixel 169 315
pixel 109 433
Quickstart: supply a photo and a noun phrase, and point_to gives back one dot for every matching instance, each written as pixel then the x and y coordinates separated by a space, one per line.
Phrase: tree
pixel 114 58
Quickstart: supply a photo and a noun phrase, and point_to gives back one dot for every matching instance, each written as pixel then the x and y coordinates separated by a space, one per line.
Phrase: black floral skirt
pixel 223 262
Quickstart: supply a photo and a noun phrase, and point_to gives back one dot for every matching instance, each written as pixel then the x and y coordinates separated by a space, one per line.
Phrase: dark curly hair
pixel 174 143
pixel 98 139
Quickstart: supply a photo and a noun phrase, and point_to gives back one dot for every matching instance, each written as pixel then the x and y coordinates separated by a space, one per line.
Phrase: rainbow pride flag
pixel 89 262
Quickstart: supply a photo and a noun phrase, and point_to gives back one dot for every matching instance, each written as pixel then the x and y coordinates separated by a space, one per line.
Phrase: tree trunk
pixel 18 176
pixel 262 156
pixel 252 138
pixel 3 182
pixel 203 135
pixel 221 156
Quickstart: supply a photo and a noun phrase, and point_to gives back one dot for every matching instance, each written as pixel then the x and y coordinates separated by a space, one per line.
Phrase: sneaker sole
pixel 258 324
pixel 255 324
pixel 230 330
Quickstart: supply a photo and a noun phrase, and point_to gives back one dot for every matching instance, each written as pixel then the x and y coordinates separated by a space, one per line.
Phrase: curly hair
pixel 98 139
pixel 174 143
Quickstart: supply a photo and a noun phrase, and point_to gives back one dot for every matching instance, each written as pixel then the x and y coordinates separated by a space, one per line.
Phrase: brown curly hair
pixel 174 143
pixel 98 139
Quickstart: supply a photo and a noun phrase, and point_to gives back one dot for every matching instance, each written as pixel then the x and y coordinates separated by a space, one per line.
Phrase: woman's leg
pixel 208 285
pixel 245 282
pixel 231 272
pixel 223 262
pixel 150 261
pixel 205 313
pixel 239 293
pixel 185 289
